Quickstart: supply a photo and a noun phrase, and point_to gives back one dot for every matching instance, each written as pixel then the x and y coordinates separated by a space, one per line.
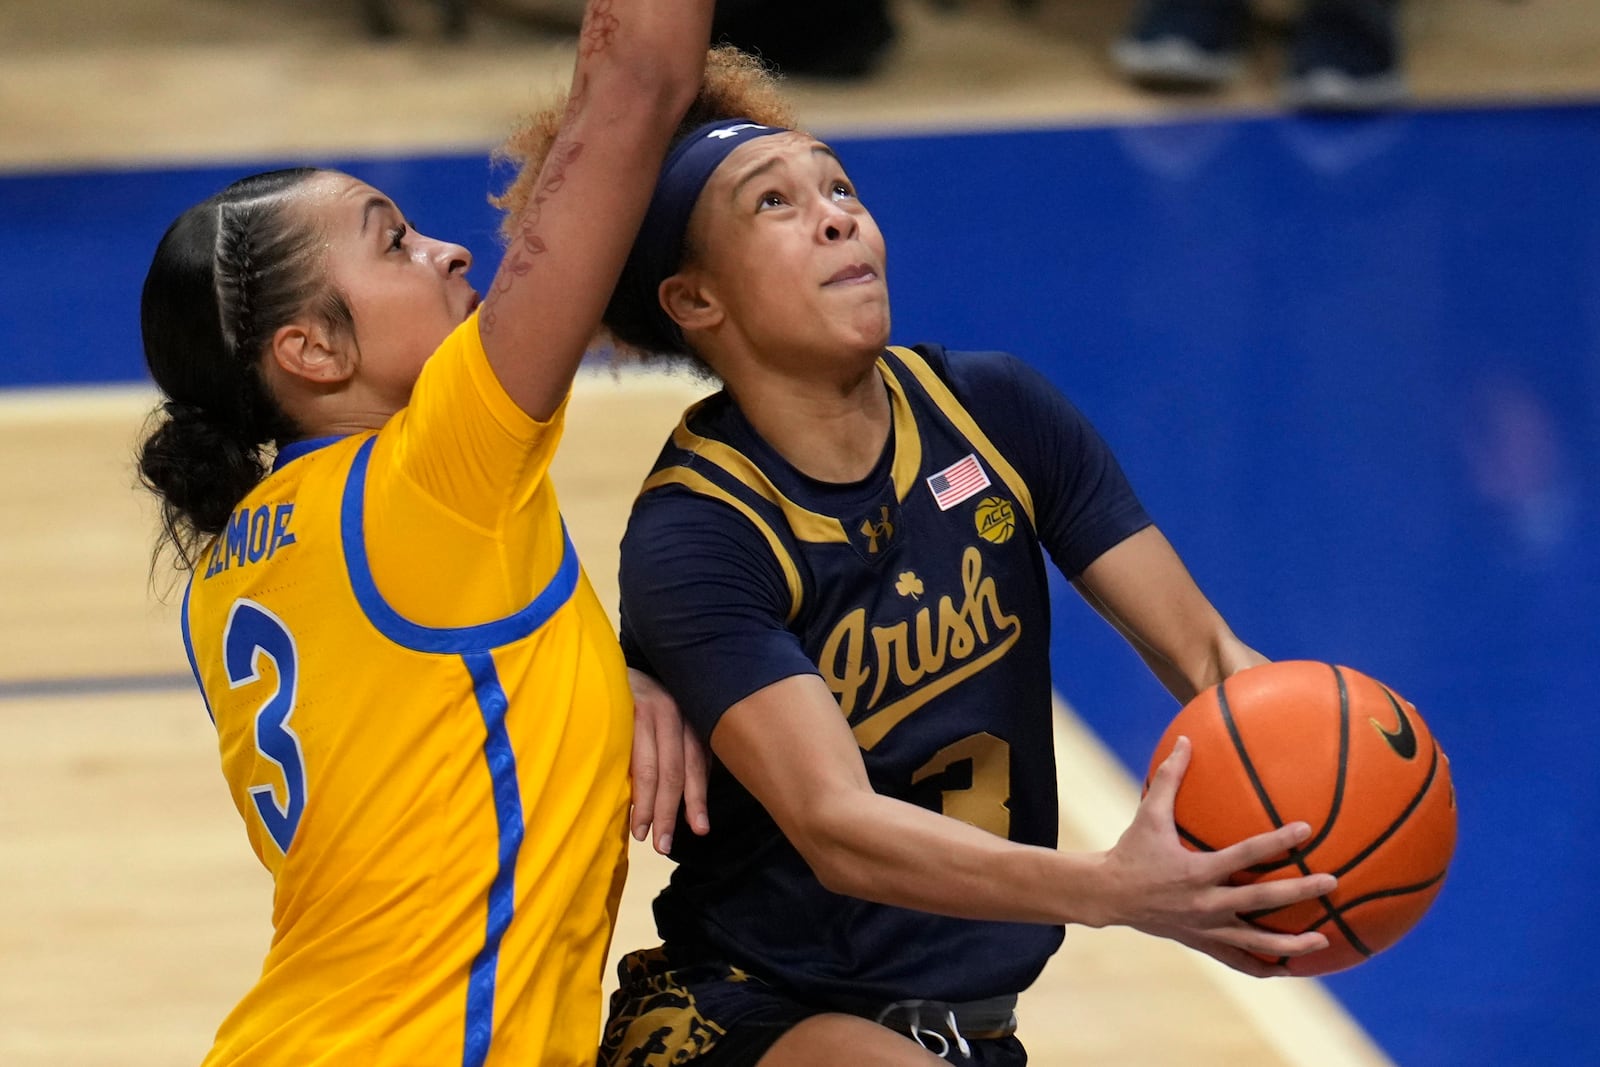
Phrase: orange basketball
pixel 1329 746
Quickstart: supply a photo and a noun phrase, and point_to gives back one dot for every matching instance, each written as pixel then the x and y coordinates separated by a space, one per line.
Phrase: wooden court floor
pixel 131 913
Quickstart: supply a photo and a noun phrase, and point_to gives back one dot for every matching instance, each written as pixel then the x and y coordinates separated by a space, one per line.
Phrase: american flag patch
pixel 957 482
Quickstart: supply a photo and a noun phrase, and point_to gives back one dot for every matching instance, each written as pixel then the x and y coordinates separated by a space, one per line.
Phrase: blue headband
pixel 658 250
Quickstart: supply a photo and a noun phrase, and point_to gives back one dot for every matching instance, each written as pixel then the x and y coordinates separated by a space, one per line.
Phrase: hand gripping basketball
pixel 1163 888
pixel 1309 742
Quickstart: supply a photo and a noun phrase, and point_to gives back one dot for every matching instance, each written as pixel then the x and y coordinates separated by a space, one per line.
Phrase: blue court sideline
pixel 1352 366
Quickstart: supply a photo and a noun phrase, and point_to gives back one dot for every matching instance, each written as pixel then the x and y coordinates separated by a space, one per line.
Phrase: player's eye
pixel 397 237
pixel 843 191
pixel 770 199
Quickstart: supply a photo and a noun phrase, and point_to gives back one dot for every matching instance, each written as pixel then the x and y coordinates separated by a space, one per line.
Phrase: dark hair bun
pixel 200 470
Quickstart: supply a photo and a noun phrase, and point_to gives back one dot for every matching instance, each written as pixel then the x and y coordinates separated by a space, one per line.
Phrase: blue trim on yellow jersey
pixel 291 452
pixel 502 762
pixel 188 649
pixel 458 640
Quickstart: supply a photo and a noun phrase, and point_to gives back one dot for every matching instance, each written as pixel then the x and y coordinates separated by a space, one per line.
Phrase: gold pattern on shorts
pixel 654 1021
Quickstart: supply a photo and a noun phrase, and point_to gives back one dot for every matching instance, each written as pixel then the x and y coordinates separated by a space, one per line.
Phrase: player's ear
pixel 689 303
pixel 313 352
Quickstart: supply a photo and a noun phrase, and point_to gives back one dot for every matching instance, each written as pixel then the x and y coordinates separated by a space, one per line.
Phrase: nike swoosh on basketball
pixel 1403 740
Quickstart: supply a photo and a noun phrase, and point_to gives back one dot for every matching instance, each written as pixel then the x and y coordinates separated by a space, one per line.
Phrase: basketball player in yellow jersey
pixel 423 715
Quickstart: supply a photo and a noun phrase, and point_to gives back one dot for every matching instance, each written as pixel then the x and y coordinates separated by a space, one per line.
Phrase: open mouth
pixel 473 301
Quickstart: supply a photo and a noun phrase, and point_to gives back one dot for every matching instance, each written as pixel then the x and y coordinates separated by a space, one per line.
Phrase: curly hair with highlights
pixel 735 85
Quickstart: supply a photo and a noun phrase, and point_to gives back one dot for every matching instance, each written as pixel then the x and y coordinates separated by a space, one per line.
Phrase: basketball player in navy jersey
pixel 837 566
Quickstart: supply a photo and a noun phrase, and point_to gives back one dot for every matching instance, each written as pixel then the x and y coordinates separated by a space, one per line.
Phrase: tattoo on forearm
pixel 599 29
pixel 552 177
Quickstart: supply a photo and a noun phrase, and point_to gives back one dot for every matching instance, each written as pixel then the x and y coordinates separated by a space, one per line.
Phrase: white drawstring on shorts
pixel 922 1035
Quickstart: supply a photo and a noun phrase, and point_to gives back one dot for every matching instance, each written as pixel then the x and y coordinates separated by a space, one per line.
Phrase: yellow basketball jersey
pixel 424 721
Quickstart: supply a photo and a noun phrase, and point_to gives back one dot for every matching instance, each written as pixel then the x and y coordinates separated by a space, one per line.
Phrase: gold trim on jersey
pixel 940 394
pixel 809 525
pixel 699 483
pixel 907 441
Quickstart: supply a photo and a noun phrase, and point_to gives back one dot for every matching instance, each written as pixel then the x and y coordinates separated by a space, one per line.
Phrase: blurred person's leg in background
pixel 1344 54
pixel 1184 44
pixel 810 38
pixel 383 21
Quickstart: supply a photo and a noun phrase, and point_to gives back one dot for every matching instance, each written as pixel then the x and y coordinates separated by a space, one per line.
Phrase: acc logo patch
pixel 995 519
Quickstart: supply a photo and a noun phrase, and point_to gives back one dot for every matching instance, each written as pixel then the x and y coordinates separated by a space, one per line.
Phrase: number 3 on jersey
pixel 985 800
pixel 253 632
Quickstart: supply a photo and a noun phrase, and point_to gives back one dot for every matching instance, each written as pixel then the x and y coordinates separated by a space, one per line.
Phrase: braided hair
pixel 226 276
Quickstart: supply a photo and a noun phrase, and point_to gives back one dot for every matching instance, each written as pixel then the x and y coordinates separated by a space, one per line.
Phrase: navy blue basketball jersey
pixel 919 595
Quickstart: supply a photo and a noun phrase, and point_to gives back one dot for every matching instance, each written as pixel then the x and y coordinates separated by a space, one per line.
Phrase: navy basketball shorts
pixel 713 1014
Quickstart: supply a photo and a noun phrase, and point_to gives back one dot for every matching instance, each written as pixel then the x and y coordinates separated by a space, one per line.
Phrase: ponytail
pixel 199 471
pixel 226 276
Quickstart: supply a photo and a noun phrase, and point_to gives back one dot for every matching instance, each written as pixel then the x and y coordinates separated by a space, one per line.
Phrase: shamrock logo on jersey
pixel 909 585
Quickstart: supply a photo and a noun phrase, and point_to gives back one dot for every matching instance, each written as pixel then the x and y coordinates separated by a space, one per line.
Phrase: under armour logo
pixel 873 530
pixel 733 131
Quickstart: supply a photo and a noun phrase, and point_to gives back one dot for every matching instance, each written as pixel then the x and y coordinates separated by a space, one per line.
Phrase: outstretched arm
pixel 639 65
pixel 1143 589
pixel 792 749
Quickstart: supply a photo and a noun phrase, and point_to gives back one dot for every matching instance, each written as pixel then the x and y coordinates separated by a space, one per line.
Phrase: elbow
pixel 835 875
pixel 841 875
pixel 822 841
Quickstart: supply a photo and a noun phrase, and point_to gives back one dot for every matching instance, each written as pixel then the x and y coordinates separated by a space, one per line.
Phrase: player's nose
pixel 837 224
pixel 450 258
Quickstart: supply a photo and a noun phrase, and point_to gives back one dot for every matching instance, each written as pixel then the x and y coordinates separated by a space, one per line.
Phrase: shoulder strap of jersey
pixel 805 524
pixel 696 482
pixel 939 392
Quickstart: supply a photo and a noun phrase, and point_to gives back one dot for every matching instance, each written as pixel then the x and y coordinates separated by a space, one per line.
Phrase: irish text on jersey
pixel 939 646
